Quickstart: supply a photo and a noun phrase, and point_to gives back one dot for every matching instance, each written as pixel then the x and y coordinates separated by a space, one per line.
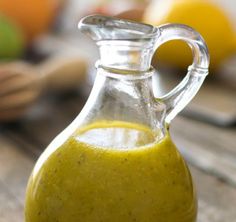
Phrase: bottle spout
pixel 100 27
pixel 123 44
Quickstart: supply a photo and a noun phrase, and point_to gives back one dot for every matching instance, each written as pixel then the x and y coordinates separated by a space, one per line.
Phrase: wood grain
pixel 210 150
pixel 15 168
pixel 213 206
pixel 217 200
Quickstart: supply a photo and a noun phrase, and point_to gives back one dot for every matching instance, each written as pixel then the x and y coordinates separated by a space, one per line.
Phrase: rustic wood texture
pixel 15 168
pixel 207 147
pixel 209 150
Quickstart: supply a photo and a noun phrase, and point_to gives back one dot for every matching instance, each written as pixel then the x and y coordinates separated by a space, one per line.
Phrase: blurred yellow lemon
pixel 205 17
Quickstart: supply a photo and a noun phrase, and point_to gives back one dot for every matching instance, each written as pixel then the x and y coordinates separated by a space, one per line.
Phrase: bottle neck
pixel 126 98
pixel 126 55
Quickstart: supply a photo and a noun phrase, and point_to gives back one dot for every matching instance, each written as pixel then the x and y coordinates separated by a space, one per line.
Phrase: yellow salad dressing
pixel 112 172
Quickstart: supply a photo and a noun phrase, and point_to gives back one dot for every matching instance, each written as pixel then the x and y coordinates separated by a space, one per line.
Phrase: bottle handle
pixel 183 93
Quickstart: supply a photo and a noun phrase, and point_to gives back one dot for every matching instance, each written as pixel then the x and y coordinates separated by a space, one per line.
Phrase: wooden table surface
pixel 209 149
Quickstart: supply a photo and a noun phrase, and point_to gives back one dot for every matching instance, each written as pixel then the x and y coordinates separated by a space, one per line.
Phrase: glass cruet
pixel 116 160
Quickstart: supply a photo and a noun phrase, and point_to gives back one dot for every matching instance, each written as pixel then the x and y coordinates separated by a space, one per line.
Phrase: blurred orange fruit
pixel 33 16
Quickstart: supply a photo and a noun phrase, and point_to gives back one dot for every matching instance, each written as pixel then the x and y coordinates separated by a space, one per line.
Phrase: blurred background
pixel 40 44
pixel 47 71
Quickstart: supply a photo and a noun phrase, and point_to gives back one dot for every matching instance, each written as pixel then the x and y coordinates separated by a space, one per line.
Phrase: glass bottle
pixel 116 161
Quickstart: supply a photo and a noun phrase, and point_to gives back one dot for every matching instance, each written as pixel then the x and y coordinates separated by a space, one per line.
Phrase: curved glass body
pixel 116 160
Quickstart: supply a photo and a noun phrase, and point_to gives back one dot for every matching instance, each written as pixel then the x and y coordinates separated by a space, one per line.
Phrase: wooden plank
pixel 209 148
pixel 214 103
pixel 10 208
pixel 15 168
pixel 45 121
pixel 217 200
pixel 50 117
pixel 22 143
